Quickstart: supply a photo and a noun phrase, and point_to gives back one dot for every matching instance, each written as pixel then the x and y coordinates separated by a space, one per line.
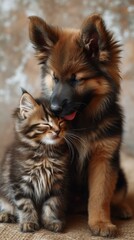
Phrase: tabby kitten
pixel 33 174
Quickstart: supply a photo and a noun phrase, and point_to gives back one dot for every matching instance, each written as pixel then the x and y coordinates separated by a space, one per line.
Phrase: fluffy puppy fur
pixel 80 77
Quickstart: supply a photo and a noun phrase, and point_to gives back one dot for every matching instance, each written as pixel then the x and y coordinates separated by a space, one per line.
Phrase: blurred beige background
pixel 18 67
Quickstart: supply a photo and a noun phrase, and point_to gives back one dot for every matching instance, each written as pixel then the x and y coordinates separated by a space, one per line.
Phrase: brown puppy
pixel 80 76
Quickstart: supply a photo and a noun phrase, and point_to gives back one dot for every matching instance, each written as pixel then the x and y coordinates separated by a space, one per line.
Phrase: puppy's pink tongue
pixel 70 116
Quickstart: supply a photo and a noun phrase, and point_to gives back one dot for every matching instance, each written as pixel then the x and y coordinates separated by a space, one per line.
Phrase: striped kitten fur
pixel 33 172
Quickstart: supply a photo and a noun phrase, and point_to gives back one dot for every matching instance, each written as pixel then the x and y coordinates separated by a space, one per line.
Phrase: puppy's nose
pixel 56 109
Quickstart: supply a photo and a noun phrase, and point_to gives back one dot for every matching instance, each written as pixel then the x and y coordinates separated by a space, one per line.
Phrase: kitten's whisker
pixel 71 149
pixel 77 138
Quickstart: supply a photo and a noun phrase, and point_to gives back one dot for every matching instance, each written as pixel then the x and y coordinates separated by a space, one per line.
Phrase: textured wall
pixel 18 66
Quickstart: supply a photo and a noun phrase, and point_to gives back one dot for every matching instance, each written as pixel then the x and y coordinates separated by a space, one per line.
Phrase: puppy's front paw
pixel 103 229
pixel 29 227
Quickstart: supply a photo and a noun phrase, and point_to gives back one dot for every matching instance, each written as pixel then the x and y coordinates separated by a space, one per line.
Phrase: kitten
pixel 33 173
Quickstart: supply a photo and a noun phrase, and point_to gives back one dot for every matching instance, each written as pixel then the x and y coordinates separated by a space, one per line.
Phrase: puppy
pixel 80 77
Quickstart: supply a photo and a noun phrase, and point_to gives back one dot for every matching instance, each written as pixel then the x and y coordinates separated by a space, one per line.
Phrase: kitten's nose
pixel 57 131
pixel 56 109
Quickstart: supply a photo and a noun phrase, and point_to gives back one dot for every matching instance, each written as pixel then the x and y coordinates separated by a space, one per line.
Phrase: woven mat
pixel 77 228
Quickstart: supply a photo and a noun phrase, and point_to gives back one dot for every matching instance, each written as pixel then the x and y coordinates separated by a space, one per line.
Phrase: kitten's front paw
pixel 55 225
pixel 29 227
pixel 7 217
pixel 103 229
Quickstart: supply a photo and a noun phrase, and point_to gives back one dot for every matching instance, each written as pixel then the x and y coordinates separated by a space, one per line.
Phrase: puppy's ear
pixel 95 38
pixel 27 105
pixel 43 37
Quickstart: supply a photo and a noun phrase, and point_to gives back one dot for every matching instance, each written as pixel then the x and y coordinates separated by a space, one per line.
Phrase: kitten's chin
pixel 50 141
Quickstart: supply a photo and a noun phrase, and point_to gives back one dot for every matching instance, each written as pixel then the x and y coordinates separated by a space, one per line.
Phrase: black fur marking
pixel 121 182
pixel 115 161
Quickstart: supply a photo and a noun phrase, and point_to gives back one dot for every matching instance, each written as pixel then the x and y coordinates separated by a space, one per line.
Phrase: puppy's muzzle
pixel 61 98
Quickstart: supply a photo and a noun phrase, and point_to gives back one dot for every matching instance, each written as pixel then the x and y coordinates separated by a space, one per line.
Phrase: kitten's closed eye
pixel 42 127
pixel 38 128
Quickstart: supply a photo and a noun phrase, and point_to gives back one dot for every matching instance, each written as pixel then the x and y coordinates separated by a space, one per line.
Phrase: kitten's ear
pixel 43 37
pixel 95 38
pixel 27 105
